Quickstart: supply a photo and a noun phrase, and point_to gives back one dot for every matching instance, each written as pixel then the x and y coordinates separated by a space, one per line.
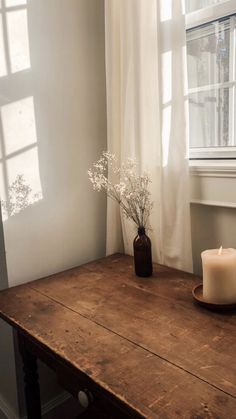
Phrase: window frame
pixel 222 10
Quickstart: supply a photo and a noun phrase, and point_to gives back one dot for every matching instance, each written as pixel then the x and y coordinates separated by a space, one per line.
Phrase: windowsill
pixel 213 168
pixel 211 203
pixel 212 183
pixel 210 13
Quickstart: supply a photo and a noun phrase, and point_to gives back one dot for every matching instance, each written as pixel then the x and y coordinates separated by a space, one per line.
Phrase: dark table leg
pixel 32 390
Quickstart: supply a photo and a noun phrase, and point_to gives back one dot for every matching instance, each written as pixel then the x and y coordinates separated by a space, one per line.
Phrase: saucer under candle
pixel 219 307
pixel 219 275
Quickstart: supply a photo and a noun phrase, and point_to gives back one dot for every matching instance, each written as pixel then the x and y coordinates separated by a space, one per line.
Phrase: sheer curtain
pixel 147 119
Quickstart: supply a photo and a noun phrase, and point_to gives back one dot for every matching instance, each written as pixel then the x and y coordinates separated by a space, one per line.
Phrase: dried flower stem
pixel 131 190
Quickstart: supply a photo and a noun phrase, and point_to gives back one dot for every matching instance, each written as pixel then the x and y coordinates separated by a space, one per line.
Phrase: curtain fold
pixel 147 119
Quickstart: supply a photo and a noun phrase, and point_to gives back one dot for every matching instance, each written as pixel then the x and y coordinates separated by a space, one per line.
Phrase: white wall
pixel 211 228
pixel 3 265
pixel 213 217
pixel 66 84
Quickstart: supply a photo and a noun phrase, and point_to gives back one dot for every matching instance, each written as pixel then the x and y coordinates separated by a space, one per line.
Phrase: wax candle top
pixel 219 254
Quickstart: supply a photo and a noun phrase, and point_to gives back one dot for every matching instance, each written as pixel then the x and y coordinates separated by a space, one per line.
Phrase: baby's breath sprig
pixel 131 190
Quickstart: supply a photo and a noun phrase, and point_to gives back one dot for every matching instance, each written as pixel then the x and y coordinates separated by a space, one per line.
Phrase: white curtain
pixel 147 119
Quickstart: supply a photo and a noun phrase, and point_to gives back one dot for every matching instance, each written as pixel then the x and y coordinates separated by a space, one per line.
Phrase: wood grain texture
pixel 142 340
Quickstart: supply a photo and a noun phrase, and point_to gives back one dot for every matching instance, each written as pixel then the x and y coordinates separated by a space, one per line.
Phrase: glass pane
pixel 209 118
pixel 18 40
pixel 208 49
pixel 192 5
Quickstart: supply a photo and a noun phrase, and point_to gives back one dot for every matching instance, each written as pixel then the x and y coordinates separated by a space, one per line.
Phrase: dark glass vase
pixel 142 254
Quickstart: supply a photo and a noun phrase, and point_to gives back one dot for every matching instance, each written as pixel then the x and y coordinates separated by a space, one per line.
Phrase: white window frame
pixel 209 14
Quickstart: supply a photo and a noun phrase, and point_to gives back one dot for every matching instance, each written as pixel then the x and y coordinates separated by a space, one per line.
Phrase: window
pixel 211 47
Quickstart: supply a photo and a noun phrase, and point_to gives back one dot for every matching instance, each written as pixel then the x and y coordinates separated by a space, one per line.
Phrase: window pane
pixel 208 49
pixel 209 118
pixel 192 5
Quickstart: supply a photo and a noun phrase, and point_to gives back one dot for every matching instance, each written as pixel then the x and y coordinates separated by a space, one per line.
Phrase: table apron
pixel 74 380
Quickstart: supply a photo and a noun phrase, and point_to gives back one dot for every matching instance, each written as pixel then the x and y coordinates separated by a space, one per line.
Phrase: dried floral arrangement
pixel 131 189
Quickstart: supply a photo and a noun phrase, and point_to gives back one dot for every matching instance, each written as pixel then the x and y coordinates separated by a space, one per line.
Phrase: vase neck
pixel 141 231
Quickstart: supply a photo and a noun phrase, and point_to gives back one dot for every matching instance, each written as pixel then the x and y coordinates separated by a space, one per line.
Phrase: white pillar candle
pixel 219 275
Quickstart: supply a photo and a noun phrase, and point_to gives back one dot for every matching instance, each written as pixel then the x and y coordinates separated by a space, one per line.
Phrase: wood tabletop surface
pixel 143 340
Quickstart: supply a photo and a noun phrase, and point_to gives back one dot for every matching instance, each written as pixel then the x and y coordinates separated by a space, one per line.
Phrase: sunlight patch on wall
pixel 20 196
pixel 17 29
pixel 24 186
pixel 25 164
pixel 2 189
pixel 12 3
pixel 20 184
pixel 1 153
pixel 3 67
pixel 18 123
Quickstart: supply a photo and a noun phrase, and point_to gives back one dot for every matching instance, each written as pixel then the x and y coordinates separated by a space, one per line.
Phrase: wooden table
pixel 140 347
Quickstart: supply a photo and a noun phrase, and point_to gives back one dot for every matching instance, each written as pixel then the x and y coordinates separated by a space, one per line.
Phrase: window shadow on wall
pixel 20 184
